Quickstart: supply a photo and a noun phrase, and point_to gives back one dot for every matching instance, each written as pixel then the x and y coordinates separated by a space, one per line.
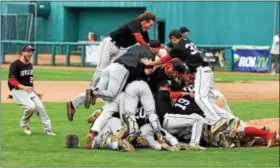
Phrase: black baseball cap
pixel 164 83
pixel 154 44
pixel 175 33
pixel 27 48
pixel 184 29
pixel 179 67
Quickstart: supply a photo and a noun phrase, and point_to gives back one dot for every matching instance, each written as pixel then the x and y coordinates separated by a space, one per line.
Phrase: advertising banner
pixel 251 58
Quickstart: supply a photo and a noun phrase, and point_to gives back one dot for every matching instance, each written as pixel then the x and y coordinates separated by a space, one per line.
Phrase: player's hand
pixel 191 94
pixel 146 61
pixel 28 89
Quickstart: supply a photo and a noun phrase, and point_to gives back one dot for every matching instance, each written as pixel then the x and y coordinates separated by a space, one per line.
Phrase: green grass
pixel 243 77
pixel 56 74
pixel 86 75
pixel 40 150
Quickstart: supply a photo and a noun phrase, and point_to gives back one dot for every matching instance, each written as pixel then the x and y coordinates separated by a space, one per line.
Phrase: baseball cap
pixel 154 44
pixel 179 67
pixel 175 33
pixel 164 83
pixel 184 29
pixel 27 48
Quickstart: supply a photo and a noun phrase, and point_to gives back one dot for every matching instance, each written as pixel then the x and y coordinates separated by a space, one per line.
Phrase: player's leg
pixel 23 99
pixel 148 133
pixel 174 123
pixel 196 130
pixel 273 63
pixel 45 120
pixel 203 84
pixel 110 88
pixel 131 100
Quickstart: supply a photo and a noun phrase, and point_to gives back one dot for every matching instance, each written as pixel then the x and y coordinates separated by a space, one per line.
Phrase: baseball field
pixel 252 97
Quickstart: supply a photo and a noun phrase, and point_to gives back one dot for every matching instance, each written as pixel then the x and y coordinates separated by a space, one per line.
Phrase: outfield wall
pixel 211 23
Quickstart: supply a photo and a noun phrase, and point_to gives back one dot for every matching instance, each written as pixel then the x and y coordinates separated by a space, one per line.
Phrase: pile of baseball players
pixel 166 102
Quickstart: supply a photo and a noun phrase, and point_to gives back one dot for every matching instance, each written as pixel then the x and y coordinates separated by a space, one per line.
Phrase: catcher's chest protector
pixel 72 141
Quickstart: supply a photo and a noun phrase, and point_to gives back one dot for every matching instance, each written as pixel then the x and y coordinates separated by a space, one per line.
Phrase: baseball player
pixel 184 32
pixel 125 36
pixel 183 113
pixel 169 71
pixel 191 56
pixel 110 136
pixel 115 76
pixel 21 81
pixel 243 131
pixel 125 69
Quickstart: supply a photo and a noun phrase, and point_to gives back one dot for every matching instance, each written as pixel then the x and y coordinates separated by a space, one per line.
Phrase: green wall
pixel 211 23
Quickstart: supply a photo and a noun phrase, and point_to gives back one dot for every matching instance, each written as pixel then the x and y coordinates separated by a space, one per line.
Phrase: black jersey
pixel 156 77
pixel 184 106
pixel 124 35
pixel 132 61
pixel 23 73
pixel 189 54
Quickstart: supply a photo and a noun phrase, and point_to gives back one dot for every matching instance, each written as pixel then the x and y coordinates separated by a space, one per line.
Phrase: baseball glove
pixel 167 147
pixel 72 141
pixel 125 146
pixel 141 142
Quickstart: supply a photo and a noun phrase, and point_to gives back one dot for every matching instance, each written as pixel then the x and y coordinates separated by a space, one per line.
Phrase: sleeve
pixel 163 105
pixel 134 26
pixel 13 71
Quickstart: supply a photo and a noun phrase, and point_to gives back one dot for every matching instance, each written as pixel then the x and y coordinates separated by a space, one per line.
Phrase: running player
pixel 21 80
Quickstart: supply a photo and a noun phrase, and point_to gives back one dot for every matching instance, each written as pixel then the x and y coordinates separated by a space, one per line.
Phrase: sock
pixel 252 131
pixel 93 133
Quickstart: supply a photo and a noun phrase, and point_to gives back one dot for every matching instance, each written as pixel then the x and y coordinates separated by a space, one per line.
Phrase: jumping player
pixel 191 56
pixel 124 36
pixel 21 81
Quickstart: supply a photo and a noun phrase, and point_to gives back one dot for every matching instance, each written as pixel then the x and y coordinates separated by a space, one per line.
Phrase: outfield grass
pixel 56 74
pixel 86 75
pixel 40 150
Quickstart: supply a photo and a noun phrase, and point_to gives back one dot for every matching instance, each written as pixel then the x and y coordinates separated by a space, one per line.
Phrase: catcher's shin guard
pixel 72 141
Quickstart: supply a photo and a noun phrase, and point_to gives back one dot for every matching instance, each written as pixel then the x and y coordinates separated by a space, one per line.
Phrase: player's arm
pixel 135 30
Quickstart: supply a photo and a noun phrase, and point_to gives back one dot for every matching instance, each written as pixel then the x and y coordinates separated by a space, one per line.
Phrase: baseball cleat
pixel 89 142
pixel 94 116
pixel 27 131
pixel 122 132
pixel 88 98
pixel 196 147
pixel 270 139
pixel 234 127
pixel 70 111
pixel 218 127
pixel 49 133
